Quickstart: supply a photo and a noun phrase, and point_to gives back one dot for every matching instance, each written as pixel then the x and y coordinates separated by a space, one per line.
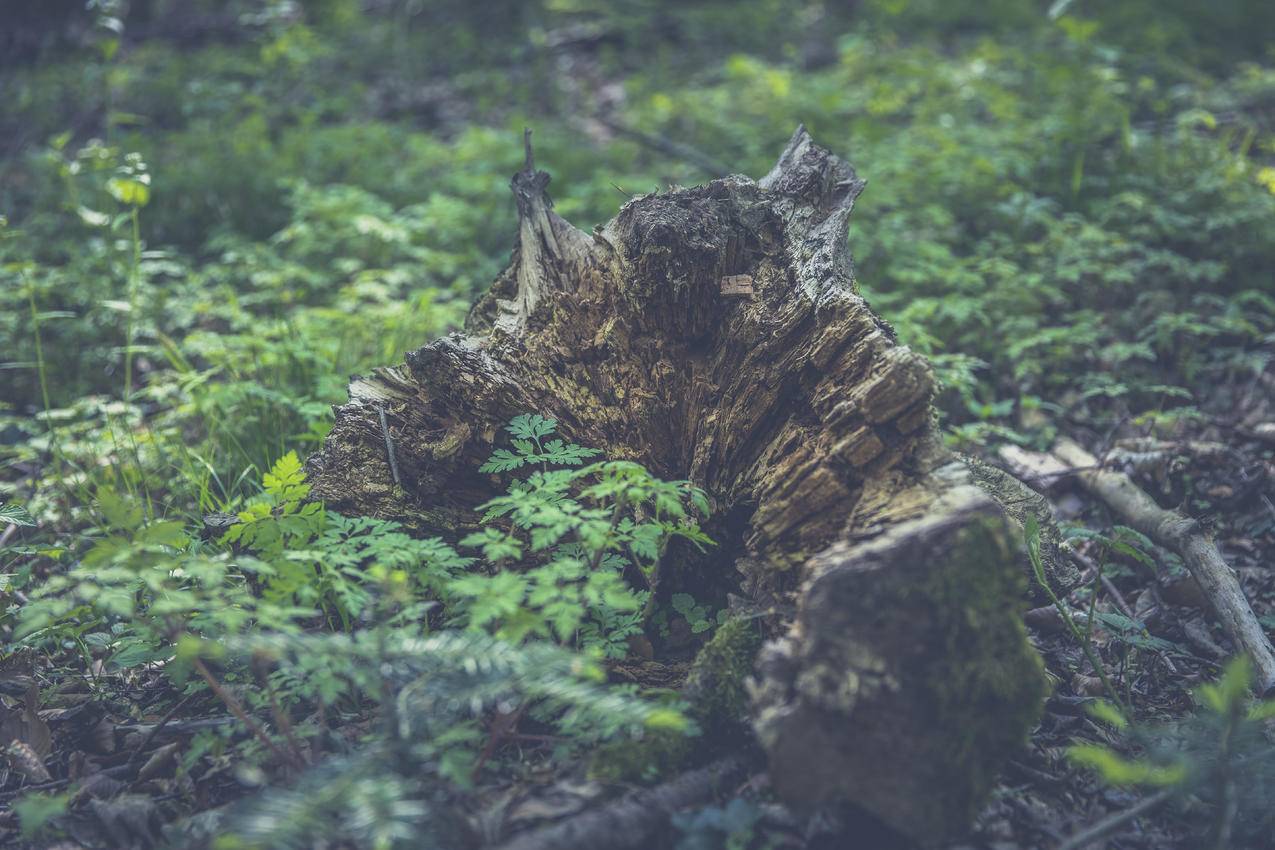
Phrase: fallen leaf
pixel 25 760
pixel 24 724
pixel 159 763
pixel 103 736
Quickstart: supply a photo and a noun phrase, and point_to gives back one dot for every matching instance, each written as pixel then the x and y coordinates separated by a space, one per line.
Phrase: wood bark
pixel 904 677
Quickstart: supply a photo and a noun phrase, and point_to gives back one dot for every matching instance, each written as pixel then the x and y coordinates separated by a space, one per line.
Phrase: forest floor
pixel 1075 226
pixel 130 730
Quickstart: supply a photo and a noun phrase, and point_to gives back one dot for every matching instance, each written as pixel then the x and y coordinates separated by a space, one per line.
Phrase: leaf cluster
pixel 1217 759
pixel 572 553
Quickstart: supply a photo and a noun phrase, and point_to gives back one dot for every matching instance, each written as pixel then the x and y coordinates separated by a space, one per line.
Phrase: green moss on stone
pixel 657 754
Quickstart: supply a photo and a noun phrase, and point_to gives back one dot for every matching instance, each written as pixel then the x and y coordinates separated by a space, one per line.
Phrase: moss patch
pixel 718 704
pixel 715 684
pixel 991 702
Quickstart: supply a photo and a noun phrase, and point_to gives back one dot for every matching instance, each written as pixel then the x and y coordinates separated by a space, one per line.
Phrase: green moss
pixel 655 755
pixel 718 704
pixel 715 684
pixel 990 703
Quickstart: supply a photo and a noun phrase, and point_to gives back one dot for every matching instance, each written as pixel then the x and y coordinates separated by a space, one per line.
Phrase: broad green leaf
pixel 132 191
pixel 15 514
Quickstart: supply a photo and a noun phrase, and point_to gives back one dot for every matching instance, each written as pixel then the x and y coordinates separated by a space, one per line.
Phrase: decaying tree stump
pixel 715 334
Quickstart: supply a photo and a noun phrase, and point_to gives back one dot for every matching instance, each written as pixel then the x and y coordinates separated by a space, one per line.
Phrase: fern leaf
pixel 531 426
pixel 568 454
pixel 502 460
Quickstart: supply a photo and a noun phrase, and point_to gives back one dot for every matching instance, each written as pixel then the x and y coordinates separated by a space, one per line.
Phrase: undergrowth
pixel 295 608
pixel 1069 213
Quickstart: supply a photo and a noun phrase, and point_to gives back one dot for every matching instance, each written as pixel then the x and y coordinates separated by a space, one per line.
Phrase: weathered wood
pixel 806 422
pixel 906 678
pixel 1020 504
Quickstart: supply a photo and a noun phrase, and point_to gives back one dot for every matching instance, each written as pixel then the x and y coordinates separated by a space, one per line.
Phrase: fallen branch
pixel 637 820
pixel 1174 531
pixel 178 727
pixel 238 711
pixel 1264 431
pixel 136 757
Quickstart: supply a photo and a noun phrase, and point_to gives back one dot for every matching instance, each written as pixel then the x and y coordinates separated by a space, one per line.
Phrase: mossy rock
pixel 908 678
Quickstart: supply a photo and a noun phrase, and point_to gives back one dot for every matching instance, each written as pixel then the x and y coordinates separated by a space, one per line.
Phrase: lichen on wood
pixel 1021 504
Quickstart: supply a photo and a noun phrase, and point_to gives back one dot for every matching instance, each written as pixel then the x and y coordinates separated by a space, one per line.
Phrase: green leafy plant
pixel 335 564
pixel 36 812
pixel 572 542
pixel 431 690
pixel 1083 639
pixel 148 591
pixel 1134 632
pixel 1067 216
pixel 1217 761
pixel 14 514
pixel 699 617
pixel 727 827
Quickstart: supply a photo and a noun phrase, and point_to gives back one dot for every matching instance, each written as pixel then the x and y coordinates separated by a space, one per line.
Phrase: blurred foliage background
pixel 217 211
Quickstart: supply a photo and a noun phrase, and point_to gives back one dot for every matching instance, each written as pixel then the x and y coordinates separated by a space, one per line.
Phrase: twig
pixel 502 726
pixel 179 727
pixel 1269 505
pixel 282 720
pixel 1086 646
pixel 8 532
pixel 316 746
pixel 1110 824
pixel 157 728
pixel 237 710
pixel 385 430
pixel 1087 563
pixel 28 789
pixel 1198 552
pixel 678 150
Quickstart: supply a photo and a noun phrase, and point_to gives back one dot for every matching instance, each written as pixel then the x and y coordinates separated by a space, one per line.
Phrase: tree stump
pixel 715 333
